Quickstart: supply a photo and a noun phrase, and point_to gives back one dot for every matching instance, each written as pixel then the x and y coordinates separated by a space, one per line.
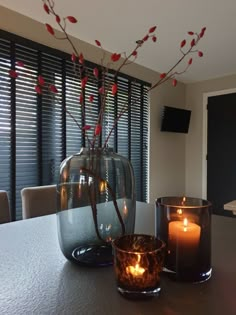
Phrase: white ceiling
pixel 119 23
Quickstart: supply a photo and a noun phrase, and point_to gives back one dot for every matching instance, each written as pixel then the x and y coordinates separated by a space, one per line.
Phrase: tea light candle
pixel 138 261
pixel 136 271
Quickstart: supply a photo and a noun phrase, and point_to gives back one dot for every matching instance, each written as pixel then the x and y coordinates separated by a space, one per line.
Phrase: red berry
pixel 95 72
pixel 71 19
pixel 84 82
pixel 41 80
pixel 97 130
pixel 152 29
pixel 86 127
pixel 81 58
pixel 202 32
pixel 46 8
pixel 97 43
pixel 52 88
pixel 73 57
pixel 192 42
pixel 163 75
pixel 50 29
pixel 20 64
pixel 101 90
pixel 174 82
pixel 58 19
pixel 200 53
pixel 115 57
pixel 13 74
pixel 182 44
pixel 114 89
pixel 91 98
pixel 38 89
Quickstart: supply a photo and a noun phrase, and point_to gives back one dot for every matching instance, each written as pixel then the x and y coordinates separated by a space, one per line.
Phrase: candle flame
pixel 103 186
pixel 125 209
pixel 136 271
pixel 139 257
pixel 185 222
pixel 179 211
pixel 183 201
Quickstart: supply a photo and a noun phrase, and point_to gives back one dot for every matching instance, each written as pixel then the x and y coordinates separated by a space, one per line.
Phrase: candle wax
pixel 183 242
pixel 136 271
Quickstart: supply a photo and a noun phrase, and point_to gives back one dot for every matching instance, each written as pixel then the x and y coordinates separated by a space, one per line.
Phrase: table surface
pixel 37 279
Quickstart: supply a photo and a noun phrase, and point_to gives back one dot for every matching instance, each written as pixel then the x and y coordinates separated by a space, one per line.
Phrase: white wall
pixel 167 150
pixel 196 140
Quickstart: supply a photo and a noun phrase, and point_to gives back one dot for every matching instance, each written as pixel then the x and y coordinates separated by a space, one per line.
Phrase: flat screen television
pixel 175 119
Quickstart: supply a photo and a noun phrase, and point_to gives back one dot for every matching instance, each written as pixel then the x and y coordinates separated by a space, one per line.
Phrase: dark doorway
pixel 221 151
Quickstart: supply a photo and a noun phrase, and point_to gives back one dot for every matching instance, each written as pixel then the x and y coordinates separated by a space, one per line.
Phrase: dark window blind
pixel 36 133
pixel 123 127
pixel 26 148
pixel 92 108
pixel 5 116
pixel 50 119
pixel 73 92
pixel 144 142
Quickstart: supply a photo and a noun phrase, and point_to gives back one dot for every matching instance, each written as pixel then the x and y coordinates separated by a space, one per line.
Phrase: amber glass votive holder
pixel 138 261
pixel 184 223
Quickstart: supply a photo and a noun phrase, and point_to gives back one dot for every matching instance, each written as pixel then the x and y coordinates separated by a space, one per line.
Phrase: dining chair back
pixel 38 201
pixel 5 214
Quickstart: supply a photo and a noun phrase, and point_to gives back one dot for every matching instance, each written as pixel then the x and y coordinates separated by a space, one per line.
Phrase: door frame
pixel 204 134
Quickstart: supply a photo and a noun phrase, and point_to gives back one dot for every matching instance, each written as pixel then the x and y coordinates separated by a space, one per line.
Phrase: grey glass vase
pixel 96 204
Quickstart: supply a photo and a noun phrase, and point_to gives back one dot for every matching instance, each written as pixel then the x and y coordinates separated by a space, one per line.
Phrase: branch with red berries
pixel 171 74
pixel 116 62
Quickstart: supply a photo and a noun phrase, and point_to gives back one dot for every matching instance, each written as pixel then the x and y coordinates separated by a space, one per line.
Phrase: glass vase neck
pixel 85 150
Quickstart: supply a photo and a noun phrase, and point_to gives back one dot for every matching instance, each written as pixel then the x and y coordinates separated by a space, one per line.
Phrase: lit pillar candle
pixel 183 242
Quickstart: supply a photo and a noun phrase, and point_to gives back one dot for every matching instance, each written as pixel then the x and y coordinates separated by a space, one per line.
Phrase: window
pixel 36 134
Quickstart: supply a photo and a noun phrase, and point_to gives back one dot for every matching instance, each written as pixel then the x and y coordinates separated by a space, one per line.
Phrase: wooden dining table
pixel 35 277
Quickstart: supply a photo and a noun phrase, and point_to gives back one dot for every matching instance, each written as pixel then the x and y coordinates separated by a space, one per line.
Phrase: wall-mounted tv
pixel 175 119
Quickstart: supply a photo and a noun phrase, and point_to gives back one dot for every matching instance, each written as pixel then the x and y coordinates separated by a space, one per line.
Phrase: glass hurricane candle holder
pixel 184 223
pixel 138 261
